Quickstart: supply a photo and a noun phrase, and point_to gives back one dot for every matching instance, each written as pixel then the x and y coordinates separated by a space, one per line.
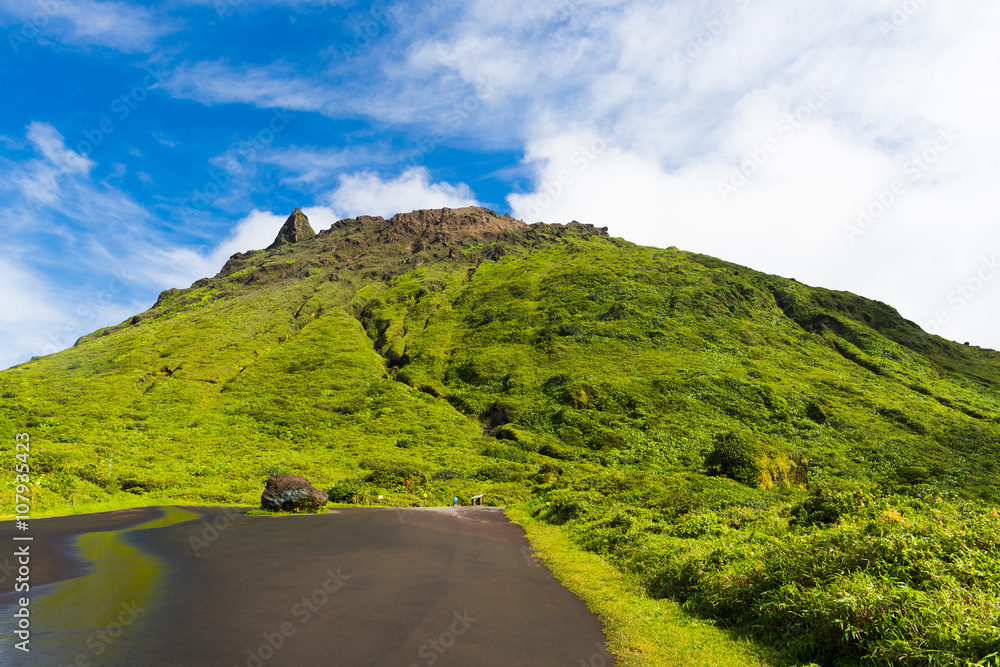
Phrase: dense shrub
pixel 62 483
pixel 521 439
pixel 914 589
pixel 90 473
pixel 505 452
pixel 346 491
pixel 46 462
pixel 834 499
pixel 558 452
pixel 139 484
pixel 393 476
pixel 569 392
pixel 566 504
pixel 755 461
pixel 498 472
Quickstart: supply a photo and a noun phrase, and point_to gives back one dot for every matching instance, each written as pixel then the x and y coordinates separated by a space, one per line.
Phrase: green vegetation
pixel 801 466
pixel 641 630
pixel 846 575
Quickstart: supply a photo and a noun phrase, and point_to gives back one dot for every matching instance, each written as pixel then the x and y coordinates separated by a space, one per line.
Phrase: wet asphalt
pixel 354 587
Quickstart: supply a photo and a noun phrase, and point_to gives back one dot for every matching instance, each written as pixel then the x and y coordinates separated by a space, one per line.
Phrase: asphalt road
pixel 365 587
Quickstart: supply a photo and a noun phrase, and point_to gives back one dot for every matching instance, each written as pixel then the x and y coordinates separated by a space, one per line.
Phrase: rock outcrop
pixel 447 225
pixel 435 226
pixel 295 229
pixel 291 493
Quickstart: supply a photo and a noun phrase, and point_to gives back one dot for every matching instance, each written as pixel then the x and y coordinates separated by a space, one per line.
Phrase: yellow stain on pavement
pixel 88 615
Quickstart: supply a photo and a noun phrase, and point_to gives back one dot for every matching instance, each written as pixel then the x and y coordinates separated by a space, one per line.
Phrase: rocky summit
pixel 446 225
pixel 295 229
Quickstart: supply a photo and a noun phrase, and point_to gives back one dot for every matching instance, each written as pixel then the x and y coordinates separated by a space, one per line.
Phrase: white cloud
pixel 180 266
pixel 78 254
pixel 257 230
pixel 351 88
pixel 273 86
pixel 680 132
pixel 39 179
pixel 40 318
pixel 58 182
pixel 51 144
pixel 367 193
pixel 319 167
pixel 320 217
pixel 124 27
pixel 27 312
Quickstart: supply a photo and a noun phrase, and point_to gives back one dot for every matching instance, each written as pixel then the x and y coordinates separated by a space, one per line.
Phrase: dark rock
pixel 291 493
pixel 497 415
pixel 295 229
pixel 233 264
pixel 165 296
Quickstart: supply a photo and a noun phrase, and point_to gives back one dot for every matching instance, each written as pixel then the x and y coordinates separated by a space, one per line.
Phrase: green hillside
pixel 801 464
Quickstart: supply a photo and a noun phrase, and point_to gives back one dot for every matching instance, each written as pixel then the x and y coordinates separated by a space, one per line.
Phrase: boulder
pixel 291 493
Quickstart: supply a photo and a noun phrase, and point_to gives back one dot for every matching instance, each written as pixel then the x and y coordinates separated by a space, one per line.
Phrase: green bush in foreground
pixel 916 588
pixel 891 580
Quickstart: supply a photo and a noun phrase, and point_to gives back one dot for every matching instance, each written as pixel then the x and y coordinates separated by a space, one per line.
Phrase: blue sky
pixel 846 144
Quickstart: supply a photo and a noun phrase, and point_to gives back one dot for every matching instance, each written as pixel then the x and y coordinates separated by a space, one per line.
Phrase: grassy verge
pixel 126 501
pixel 641 631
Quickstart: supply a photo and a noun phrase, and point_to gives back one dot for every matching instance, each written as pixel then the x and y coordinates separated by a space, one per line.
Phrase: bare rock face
pixel 295 229
pixel 291 493
pixel 422 228
pixel 445 225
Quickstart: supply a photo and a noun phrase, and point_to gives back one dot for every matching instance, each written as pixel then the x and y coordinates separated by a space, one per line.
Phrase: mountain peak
pixel 295 229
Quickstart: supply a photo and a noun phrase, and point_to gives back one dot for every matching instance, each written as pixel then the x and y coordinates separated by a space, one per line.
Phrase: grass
pixel 123 502
pixel 641 631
